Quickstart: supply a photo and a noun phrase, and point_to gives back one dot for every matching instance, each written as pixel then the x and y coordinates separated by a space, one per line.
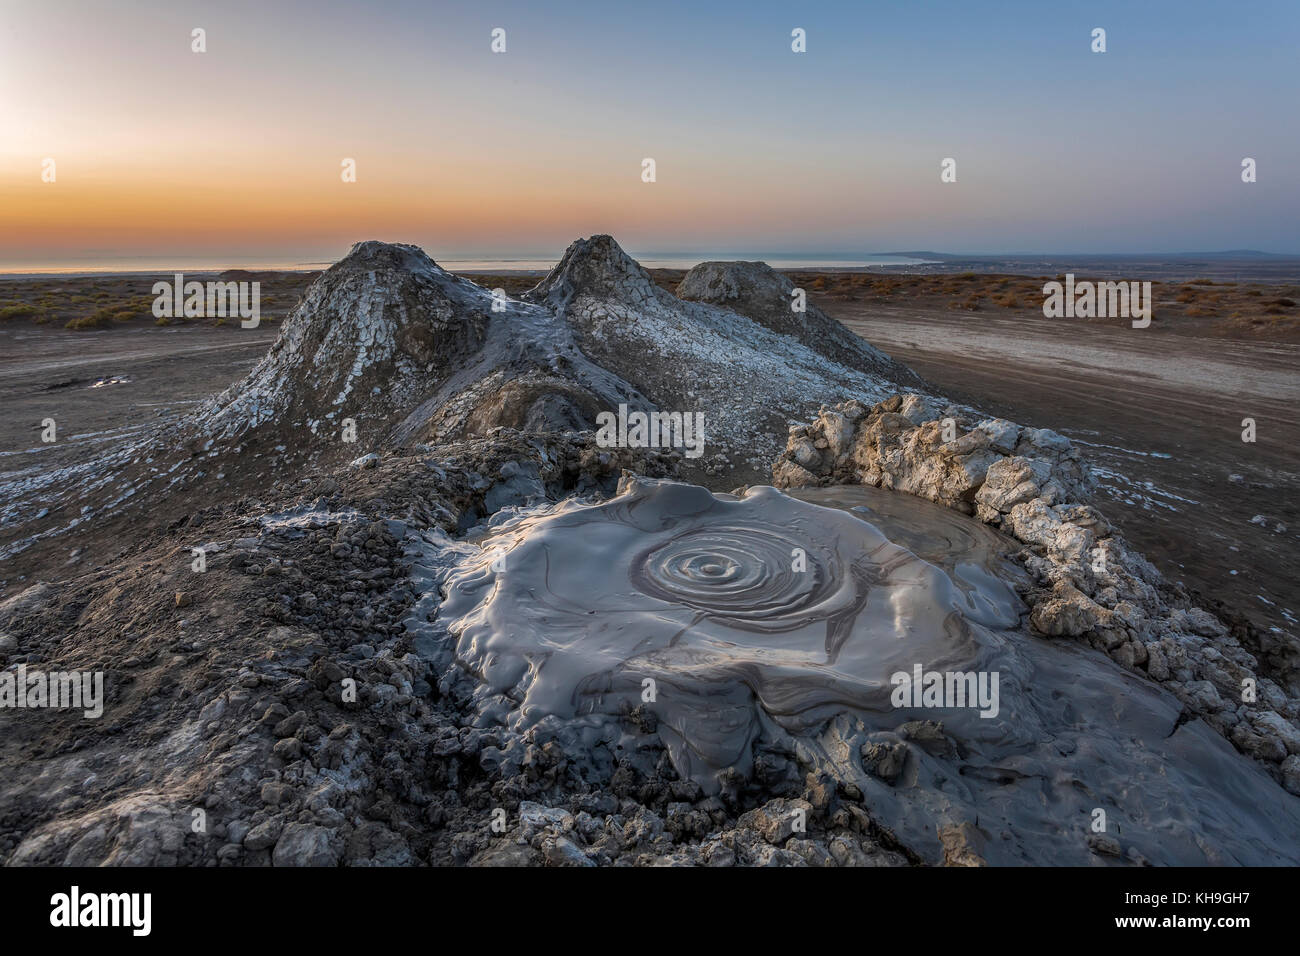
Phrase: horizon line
pixel 55 265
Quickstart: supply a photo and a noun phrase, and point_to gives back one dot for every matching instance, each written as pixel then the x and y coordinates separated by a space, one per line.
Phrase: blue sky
pixel 1058 149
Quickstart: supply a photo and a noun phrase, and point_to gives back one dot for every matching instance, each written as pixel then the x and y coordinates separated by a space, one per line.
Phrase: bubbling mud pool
pixel 723 628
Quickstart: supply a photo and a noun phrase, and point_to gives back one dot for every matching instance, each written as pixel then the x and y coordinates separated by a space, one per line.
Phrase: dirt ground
pixel 104 385
pixel 1160 415
pixel 1202 307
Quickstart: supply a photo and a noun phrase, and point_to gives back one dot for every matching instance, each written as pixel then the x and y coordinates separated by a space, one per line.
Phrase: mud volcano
pixel 396 636
pixel 734 627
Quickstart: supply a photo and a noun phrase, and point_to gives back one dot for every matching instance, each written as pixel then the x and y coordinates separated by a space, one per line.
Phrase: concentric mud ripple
pixel 743 574
pixel 737 610
pixel 724 628
pixel 973 554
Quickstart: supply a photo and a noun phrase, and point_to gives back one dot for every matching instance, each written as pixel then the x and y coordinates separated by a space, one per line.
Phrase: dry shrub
pixel 21 311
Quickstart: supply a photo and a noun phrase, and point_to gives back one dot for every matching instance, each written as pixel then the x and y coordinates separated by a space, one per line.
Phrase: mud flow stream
pixel 776 624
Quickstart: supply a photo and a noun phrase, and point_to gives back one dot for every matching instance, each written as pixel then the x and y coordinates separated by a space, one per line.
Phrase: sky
pixel 237 151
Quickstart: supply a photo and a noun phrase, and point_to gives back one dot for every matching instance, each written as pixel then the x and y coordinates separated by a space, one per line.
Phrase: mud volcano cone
pixel 756 290
pixel 373 337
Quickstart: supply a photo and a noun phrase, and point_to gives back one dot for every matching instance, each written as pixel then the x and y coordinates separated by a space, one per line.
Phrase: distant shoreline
pixel 1181 268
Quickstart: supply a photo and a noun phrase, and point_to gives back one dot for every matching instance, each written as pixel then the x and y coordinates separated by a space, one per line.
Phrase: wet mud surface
pixel 755 621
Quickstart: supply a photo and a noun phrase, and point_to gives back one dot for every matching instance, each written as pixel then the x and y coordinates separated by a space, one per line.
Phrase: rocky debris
pixel 1104 845
pixel 1291 774
pixel 1270 524
pixel 962 845
pixel 593 831
pixel 903 444
pixel 1033 485
pixel 305 844
pixel 286 718
pixel 778 820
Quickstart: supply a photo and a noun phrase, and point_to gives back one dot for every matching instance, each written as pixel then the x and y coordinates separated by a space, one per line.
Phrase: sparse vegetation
pixel 11 312
pixel 1210 306
pixel 1228 308
pixel 104 317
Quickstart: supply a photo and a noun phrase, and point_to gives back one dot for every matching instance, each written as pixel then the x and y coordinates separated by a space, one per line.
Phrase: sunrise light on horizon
pixel 236 151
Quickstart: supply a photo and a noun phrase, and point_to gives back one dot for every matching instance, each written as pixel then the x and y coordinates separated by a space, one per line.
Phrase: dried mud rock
pixel 387 351
pixel 1033 485
pixel 756 290
pixel 748 374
